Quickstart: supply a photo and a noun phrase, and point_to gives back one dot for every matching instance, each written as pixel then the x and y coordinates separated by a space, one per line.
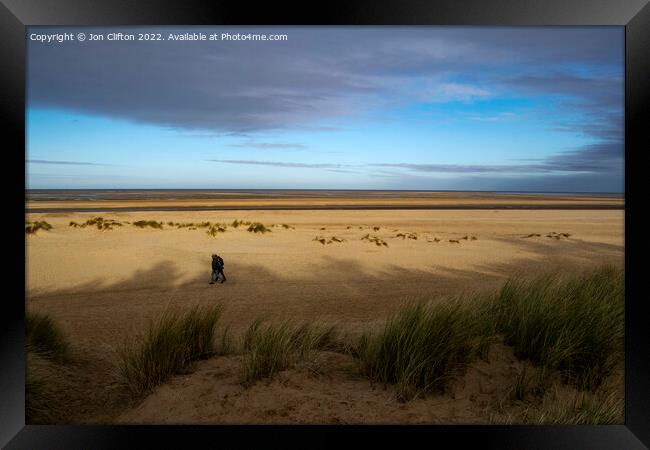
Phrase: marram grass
pixel 44 336
pixel 422 346
pixel 171 345
pixel 572 325
pixel 272 347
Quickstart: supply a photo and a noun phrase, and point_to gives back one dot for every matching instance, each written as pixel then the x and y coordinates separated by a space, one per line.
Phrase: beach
pixel 105 286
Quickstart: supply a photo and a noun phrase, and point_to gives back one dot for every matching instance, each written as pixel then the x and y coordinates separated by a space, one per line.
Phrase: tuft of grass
pixel 324 240
pixel 522 383
pixel 272 347
pixel 148 223
pixel 583 408
pixel 422 346
pixel 257 227
pixel 99 222
pixel 44 337
pixel 413 236
pixel 375 240
pixel 225 344
pixel 46 376
pixel 46 381
pixel 33 227
pixel 236 223
pixel 216 228
pixel 573 325
pixel 170 346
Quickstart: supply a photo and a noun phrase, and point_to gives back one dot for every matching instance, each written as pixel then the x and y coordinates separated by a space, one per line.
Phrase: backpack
pixel 219 261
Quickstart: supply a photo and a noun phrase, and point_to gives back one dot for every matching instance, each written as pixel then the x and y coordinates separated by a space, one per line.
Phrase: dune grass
pixel 46 376
pixel 413 236
pixel 237 223
pixel 422 346
pixel 34 227
pixel 44 336
pixel 324 240
pixel 375 240
pixel 214 229
pixel 257 227
pixel 46 382
pixel 99 222
pixel 582 408
pixel 148 223
pixel 272 347
pixel 572 325
pixel 38 397
pixel 171 345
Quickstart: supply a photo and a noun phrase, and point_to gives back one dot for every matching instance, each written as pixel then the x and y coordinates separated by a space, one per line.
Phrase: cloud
pixel 65 163
pixel 318 75
pixel 270 145
pixel 458 92
pixel 506 115
pixel 279 164
pixel 323 77
pixel 600 158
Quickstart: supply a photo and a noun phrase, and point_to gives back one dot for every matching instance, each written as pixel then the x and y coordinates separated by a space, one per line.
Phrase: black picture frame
pixel 15 15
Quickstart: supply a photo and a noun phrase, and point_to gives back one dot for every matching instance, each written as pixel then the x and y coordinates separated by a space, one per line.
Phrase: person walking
pixel 217 269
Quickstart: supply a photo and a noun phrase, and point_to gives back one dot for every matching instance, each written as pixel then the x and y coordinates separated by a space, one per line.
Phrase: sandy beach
pixel 105 286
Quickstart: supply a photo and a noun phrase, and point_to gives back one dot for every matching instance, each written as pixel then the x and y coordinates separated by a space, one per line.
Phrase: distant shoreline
pixel 300 200
pixel 333 207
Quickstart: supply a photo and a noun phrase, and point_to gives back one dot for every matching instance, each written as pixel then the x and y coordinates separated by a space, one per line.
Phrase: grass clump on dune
pixel 46 382
pixel 33 227
pixel 46 376
pixel 45 337
pixel 273 347
pixel 422 346
pixel 257 227
pixel 236 223
pixel 374 239
pixel 148 223
pixel 324 240
pixel 216 228
pixel 573 325
pixel 99 222
pixel 602 407
pixel 171 345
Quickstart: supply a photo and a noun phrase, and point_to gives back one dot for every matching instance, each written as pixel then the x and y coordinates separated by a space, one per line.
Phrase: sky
pixel 414 108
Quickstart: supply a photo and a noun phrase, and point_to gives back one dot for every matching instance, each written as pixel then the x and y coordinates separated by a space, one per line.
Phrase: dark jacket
pixel 217 263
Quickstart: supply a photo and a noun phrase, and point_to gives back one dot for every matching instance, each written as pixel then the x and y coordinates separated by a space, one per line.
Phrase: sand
pixel 105 286
pixel 160 200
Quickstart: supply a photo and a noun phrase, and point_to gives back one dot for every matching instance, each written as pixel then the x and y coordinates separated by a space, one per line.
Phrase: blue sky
pixel 536 109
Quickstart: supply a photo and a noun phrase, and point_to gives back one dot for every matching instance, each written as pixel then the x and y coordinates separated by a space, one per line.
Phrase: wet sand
pixel 93 201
